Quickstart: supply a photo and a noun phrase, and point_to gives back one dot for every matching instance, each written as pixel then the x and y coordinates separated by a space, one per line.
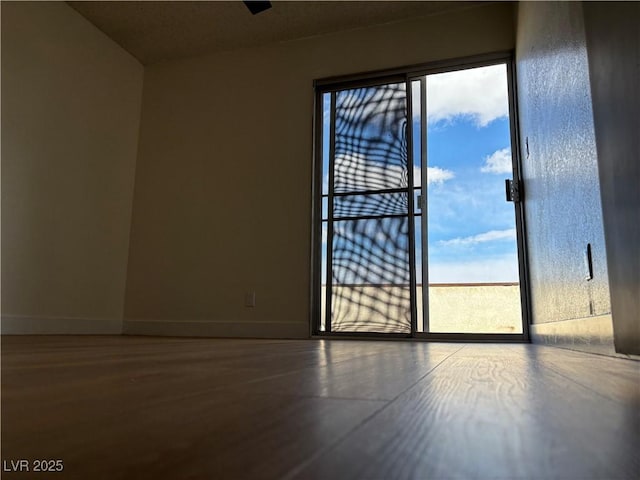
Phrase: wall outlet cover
pixel 250 299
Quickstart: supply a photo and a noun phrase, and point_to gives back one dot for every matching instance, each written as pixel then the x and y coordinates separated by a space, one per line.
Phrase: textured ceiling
pixel 155 31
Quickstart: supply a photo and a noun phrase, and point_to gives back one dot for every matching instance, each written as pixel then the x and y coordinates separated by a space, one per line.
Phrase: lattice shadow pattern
pixel 370 155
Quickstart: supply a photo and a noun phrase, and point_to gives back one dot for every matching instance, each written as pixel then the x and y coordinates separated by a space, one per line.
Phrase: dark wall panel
pixel 613 41
pixel 560 169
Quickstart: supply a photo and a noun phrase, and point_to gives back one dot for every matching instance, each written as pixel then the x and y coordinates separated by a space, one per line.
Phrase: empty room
pixel 320 240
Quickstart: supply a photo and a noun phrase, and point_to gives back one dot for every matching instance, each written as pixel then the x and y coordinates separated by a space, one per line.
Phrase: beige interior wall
pixel 70 115
pixel 223 186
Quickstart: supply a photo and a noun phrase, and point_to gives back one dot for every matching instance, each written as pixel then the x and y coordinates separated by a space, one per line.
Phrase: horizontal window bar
pixel 369 217
pixel 370 192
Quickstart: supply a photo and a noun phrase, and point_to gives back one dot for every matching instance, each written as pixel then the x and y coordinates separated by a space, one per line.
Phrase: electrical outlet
pixel 250 299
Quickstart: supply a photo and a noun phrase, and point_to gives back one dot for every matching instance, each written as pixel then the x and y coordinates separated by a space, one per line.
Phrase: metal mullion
pixel 411 212
pixel 424 210
pixel 523 266
pixel 360 335
pixel 457 64
pixel 332 154
pixel 369 192
pixel 473 337
pixel 369 217
pixel 316 213
pixel 396 75
pixel 364 80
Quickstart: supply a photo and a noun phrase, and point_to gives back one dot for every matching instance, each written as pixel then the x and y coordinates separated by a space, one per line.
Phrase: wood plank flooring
pixel 155 408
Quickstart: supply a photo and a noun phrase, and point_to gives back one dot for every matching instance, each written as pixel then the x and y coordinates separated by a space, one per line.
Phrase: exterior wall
pixel 223 186
pixel 560 174
pixel 70 115
pixel 455 308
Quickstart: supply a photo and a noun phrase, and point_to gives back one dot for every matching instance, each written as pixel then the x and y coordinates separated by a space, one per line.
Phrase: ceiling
pixel 155 31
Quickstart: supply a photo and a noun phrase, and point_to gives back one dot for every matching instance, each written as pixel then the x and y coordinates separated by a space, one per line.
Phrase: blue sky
pixel 471 226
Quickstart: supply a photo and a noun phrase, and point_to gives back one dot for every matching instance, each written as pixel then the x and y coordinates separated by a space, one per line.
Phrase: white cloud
pixel 438 175
pixel 479 93
pixel 490 236
pixel 498 162
pixel 435 175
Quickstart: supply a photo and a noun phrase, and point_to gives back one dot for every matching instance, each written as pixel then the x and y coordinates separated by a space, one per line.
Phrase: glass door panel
pixel 368 280
pixel 472 248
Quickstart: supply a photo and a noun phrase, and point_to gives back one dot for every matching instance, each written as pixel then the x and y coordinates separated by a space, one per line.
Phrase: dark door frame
pixel 407 75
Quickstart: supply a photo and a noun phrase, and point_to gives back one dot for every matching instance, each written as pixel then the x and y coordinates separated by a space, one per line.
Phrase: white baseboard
pixel 190 328
pixel 590 334
pixel 27 325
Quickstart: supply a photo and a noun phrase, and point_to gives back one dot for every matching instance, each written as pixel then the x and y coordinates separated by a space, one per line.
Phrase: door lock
pixel 512 190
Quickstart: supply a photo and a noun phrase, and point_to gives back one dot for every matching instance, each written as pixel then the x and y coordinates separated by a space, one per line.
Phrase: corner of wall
pixel 68 159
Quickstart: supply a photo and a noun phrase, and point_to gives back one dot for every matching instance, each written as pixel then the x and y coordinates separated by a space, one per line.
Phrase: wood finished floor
pixel 155 408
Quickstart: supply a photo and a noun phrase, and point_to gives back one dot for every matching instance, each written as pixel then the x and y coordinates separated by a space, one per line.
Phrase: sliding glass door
pixel 418 216
pixel 468 228
pixel 368 248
